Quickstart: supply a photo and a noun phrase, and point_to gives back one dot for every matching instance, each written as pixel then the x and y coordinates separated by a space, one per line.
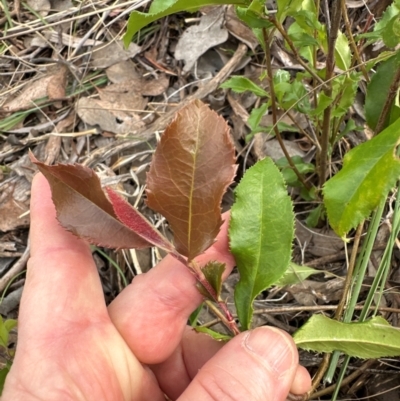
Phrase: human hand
pixel 72 348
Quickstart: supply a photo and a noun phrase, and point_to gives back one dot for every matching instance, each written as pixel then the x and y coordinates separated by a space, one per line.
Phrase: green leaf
pixel 289 175
pixel 256 115
pixel 308 21
pixel 159 9
pixel 296 96
pixel 195 315
pixel 257 6
pixel 391 33
pixel 215 335
pixel 5 328
pixel 378 89
pixel 253 19
pixel 342 52
pixel 3 375
pixel 315 215
pixel 369 171
pixel 287 7
pixel 241 84
pixel 375 338
pixel 261 234
pixel 297 35
pixel 323 102
pixel 392 11
pixel 347 87
pixel 296 274
pixel 213 273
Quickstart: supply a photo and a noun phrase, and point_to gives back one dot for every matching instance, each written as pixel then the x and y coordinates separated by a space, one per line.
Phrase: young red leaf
pixel 83 208
pixel 191 169
pixel 129 216
pixel 212 271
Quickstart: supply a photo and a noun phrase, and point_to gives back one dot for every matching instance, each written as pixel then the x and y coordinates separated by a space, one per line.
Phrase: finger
pixel 302 381
pixel 257 366
pixel 151 313
pixel 176 373
pixel 195 349
pixel 62 283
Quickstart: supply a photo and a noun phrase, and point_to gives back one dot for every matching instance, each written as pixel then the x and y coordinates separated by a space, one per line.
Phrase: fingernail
pixel 273 346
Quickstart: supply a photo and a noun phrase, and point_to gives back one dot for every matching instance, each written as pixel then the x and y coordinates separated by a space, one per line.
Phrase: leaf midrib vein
pixel 192 185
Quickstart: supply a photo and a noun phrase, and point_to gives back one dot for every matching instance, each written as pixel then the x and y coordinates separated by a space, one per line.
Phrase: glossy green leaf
pixel 369 171
pixel 159 9
pixel 241 84
pixel 375 338
pixel 261 234
pixel 378 89
pixel 296 274
pixel 214 334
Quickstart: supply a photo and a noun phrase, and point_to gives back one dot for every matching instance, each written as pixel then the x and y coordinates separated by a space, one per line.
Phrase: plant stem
pixel 330 66
pixel 268 39
pixel 345 381
pixel 388 103
pixel 296 54
pixel 350 272
pixel 352 41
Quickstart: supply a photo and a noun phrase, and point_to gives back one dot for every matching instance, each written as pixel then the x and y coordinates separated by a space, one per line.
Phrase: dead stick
pixel 202 92
pixel 17 268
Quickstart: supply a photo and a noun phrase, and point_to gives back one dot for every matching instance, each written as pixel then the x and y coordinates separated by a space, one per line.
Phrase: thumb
pixel 259 365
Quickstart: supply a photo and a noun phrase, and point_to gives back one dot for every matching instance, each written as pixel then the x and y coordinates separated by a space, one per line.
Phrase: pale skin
pixel 71 347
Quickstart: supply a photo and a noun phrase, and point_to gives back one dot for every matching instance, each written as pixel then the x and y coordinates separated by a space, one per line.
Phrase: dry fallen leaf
pixel 196 40
pixel 272 148
pixel 57 85
pixel 14 202
pixel 104 56
pixel 31 92
pixel 308 291
pixel 41 6
pixel 103 114
pixel 122 99
pixel 317 241
pixel 125 72
pixel 239 29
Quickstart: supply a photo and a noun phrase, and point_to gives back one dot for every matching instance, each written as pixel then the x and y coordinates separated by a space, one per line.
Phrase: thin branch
pixel 388 103
pixel 268 40
pixel 346 381
pixel 330 66
pixel 352 41
pixel 296 54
